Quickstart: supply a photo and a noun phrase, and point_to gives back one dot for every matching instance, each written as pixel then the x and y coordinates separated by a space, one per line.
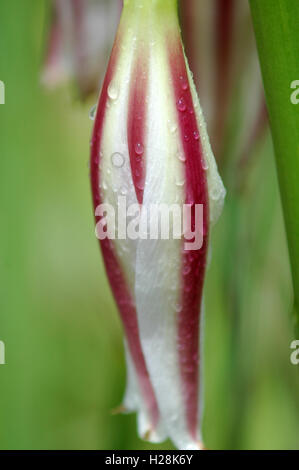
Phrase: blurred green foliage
pixel 65 367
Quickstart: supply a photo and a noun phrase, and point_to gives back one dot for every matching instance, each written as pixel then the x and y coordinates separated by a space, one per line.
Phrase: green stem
pixel 165 5
pixel 150 14
pixel 276 28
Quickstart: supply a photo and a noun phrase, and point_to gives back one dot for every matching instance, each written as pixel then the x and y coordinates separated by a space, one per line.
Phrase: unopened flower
pixel 80 40
pixel 150 145
pixel 222 54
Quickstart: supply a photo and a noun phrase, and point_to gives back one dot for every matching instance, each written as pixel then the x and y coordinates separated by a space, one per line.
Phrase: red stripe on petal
pixel 136 123
pixel 193 262
pixel 116 277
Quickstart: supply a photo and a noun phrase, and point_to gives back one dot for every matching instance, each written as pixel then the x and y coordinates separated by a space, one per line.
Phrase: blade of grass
pixel 276 29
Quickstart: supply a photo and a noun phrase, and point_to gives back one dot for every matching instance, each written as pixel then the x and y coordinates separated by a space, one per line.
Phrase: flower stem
pixel 161 5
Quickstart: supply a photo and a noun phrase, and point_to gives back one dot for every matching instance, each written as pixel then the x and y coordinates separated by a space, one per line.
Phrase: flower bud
pixel 150 146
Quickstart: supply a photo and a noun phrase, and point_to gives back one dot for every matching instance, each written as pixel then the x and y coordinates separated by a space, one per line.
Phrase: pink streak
pixel 116 277
pixel 136 122
pixel 193 262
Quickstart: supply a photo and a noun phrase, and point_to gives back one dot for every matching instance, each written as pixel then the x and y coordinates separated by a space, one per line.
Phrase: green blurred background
pixel 65 369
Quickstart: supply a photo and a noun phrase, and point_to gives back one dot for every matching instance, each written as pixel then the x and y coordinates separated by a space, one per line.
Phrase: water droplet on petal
pixel 112 91
pixel 140 185
pixel 204 164
pixel 180 181
pixel 181 105
pixel 178 307
pixel 117 160
pixel 139 149
pixel 92 112
pixel 172 127
pixel 196 135
pixel 95 160
pixel 184 83
pixel 186 270
pixel 182 157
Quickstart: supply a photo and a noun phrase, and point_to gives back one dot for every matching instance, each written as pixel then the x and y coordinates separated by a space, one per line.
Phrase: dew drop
pixel 180 181
pixel 117 160
pixel 140 185
pixel 95 160
pixel 184 83
pixel 172 127
pixel 186 270
pixel 112 91
pixel 178 308
pixel 181 105
pixel 139 149
pixel 182 157
pixel 196 135
pixel 204 164
pixel 92 112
